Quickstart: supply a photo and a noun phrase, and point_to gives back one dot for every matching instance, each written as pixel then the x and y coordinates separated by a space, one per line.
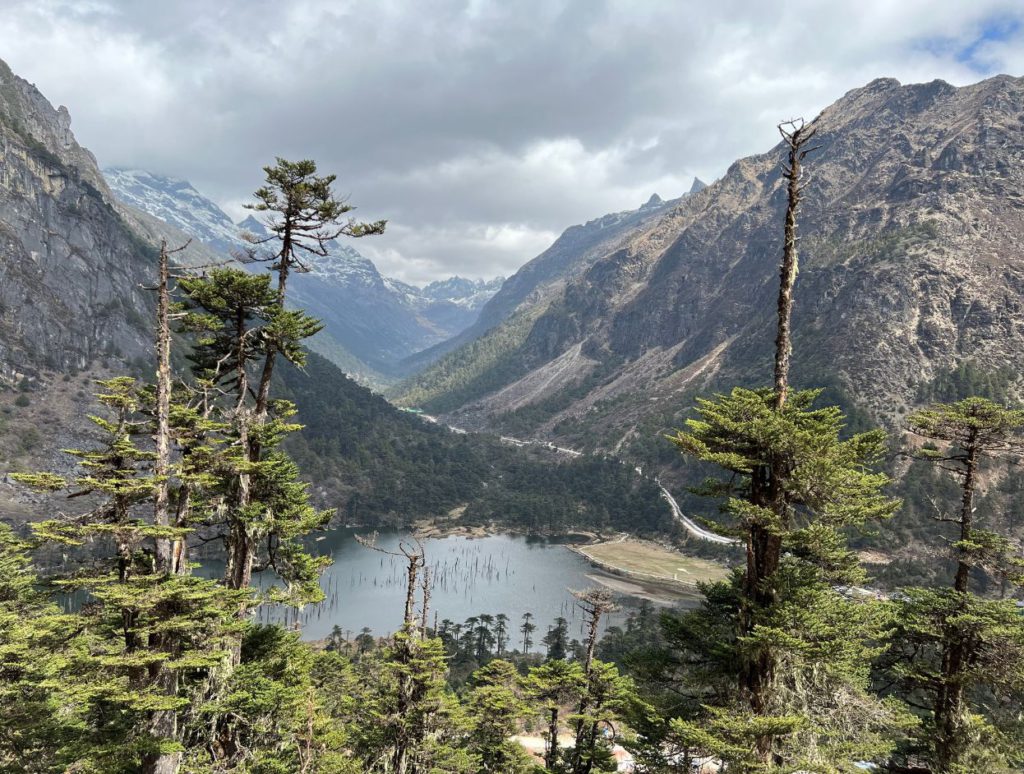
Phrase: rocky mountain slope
pixel 911 228
pixel 505 319
pixel 372 322
pixel 541 280
pixel 71 273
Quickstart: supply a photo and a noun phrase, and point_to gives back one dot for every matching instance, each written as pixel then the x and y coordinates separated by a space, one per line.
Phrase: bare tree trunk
pixel 426 601
pixel 404 698
pixel 163 725
pixel 263 391
pixel 162 462
pixel 168 553
pixel 795 136
pixel 179 546
pixel 764 545
pixel 949 698
pixel 595 604
pixel 241 547
pixel 551 753
pixel 963 567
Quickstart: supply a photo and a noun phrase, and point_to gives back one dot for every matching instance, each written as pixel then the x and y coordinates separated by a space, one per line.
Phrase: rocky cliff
pixel 910 265
pixel 494 337
pixel 71 272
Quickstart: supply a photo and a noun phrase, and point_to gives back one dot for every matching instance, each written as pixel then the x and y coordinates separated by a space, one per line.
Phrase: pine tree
pixel 599 685
pixel 44 700
pixel 495 706
pixel 267 509
pixel 527 628
pixel 552 685
pixel 606 697
pixel 957 656
pixel 145 628
pixel 283 708
pixel 500 634
pixel 779 655
pixel 303 216
pixel 557 639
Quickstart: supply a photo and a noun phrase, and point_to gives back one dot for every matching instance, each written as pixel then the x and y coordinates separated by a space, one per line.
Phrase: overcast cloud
pixel 480 129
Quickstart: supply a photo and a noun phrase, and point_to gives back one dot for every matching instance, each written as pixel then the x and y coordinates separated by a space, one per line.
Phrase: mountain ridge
pixel 909 267
pixel 371 322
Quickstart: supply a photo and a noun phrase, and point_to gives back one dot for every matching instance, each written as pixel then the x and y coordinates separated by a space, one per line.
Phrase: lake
pixel 507 574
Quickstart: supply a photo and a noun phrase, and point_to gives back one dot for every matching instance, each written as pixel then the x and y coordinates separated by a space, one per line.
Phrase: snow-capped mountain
pixel 176 202
pixel 465 292
pixel 371 322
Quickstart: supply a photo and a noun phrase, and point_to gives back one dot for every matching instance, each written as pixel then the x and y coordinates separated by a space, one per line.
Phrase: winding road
pixel 685 521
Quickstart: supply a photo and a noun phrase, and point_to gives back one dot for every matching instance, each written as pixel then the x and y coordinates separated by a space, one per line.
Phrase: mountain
pixel 72 272
pixel 74 265
pixel 911 226
pixel 371 322
pixel 176 202
pixel 528 291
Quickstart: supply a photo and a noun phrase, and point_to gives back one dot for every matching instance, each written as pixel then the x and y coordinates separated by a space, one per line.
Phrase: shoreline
pixel 651 586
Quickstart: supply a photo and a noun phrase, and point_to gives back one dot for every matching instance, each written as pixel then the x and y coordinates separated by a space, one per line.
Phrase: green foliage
pixel 238 319
pixel 827 482
pixel 495 704
pixel 968 380
pixel 481 366
pixel 992 677
pixel 273 713
pixel 408 713
pixel 143 641
pixel 778 658
pixel 955 657
pixel 389 468
pixel 44 713
pixel 305 214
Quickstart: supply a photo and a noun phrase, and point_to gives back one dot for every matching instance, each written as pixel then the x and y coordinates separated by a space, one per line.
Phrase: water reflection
pixel 470 576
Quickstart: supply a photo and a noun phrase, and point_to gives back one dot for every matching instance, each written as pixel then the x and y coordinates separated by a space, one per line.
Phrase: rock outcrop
pixel 71 272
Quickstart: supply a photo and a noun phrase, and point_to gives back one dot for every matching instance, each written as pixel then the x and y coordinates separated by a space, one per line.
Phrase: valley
pixel 730 481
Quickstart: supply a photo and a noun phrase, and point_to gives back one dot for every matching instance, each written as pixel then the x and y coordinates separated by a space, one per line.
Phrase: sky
pixel 480 129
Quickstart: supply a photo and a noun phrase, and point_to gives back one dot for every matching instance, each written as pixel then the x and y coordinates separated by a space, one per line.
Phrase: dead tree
pixel 595 604
pixel 163 724
pixel 405 645
pixel 425 587
pixel 796 135
pixel 162 436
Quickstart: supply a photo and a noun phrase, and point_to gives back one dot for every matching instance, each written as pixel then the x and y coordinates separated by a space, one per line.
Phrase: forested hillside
pixel 383 467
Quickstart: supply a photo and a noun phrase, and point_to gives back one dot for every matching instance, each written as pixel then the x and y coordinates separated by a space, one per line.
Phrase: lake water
pixel 494 574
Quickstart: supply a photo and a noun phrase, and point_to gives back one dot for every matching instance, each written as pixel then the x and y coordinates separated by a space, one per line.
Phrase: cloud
pixel 480 128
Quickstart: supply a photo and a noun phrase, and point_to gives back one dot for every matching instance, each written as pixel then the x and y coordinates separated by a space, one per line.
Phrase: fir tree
pixel 778 655
pixel 557 640
pixel 44 700
pixel 527 628
pixel 957 656
pixel 267 509
pixel 142 628
pixel 495 706
pixel 303 216
pixel 552 685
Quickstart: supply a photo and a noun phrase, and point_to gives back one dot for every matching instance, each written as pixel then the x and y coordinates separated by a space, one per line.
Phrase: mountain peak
pixel 654 201
pixel 31 117
pixel 698 185
pixel 253 225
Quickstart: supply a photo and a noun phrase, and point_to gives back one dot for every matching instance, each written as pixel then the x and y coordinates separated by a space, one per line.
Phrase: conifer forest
pixel 749 459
